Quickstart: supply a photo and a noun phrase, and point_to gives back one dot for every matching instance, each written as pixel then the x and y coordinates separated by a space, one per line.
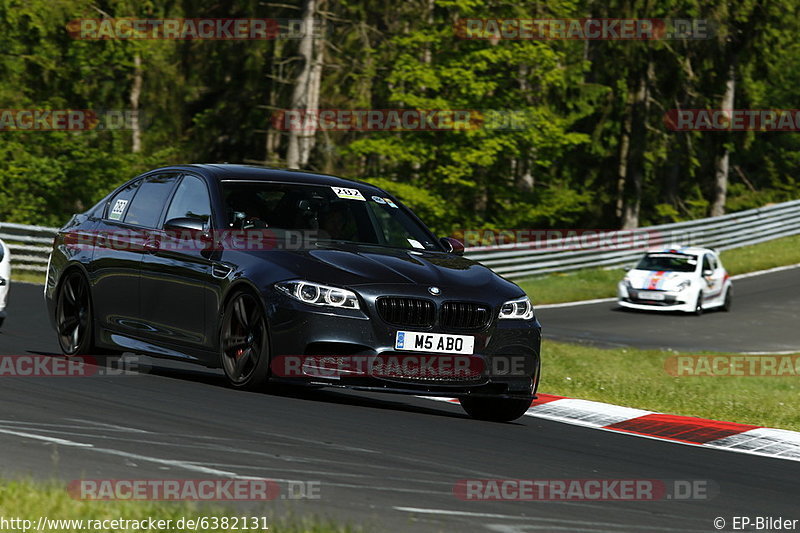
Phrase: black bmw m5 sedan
pixel 291 277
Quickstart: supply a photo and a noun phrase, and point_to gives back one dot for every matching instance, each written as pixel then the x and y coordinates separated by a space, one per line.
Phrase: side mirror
pixel 185 224
pixel 185 228
pixel 452 246
pixel 707 272
pixel 626 268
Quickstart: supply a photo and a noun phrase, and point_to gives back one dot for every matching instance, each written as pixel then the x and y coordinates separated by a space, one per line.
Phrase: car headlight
pixel 317 294
pixel 683 285
pixel 519 309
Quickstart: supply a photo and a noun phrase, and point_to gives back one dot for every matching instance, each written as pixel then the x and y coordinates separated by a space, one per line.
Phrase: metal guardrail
pixel 733 230
pixel 30 245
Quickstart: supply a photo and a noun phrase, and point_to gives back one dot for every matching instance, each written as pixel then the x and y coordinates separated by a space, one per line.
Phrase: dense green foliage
pixel 212 101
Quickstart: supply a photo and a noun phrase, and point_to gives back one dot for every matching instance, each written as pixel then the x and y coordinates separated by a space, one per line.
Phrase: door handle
pixel 151 246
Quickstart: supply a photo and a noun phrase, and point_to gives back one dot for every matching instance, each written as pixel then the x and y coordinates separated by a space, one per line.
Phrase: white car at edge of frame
pixel 5 279
pixel 691 280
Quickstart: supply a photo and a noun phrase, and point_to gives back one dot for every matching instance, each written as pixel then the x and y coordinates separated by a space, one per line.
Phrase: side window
pixel 119 203
pixel 706 262
pixel 146 207
pixel 713 261
pixel 191 201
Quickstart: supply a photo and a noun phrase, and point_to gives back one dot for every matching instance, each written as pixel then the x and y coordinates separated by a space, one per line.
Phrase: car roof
pixel 693 250
pixel 226 171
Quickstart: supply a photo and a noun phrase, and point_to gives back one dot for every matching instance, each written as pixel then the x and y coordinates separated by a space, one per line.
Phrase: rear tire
pixel 495 409
pixel 74 319
pixel 728 304
pixel 244 343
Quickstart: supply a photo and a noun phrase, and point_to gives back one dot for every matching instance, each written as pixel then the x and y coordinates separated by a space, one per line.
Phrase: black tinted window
pixel 668 262
pixel 146 207
pixel 119 204
pixel 323 213
pixel 190 201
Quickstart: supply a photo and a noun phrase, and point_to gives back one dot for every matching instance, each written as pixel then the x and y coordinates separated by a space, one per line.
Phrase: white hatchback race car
pixel 5 276
pixel 684 279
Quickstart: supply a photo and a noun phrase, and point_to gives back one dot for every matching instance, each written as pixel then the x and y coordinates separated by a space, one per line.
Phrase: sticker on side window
pixel 391 203
pixel 349 194
pixel 118 210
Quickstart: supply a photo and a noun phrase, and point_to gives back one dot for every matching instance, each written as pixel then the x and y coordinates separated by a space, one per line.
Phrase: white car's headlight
pixel 519 309
pixel 317 294
pixel 683 285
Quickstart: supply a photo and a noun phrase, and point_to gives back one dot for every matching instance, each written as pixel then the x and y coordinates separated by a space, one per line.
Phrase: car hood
pixel 661 280
pixel 355 265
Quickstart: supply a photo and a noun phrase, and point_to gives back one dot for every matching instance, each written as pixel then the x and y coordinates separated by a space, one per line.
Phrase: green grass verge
pixel 30 500
pixel 770 254
pixel 638 378
pixel 599 283
pixel 27 276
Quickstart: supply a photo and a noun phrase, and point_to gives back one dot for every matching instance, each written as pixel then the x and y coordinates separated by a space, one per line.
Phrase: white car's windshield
pixel 671 262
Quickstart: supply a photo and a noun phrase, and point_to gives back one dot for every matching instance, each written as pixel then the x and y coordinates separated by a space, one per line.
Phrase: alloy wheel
pixel 74 315
pixel 242 340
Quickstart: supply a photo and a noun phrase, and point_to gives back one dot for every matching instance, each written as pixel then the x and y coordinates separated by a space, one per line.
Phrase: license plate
pixel 434 342
pixel 651 296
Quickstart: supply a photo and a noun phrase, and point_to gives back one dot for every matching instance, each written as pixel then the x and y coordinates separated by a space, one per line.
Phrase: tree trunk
pixel 672 186
pixel 523 177
pixel 273 140
pixel 305 95
pixel 624 150
pixel 722 161
pixel 632 191
pixel 136 92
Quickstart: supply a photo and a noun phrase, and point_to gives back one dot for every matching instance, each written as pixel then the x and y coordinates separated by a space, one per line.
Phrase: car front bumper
pixel 668 300
pixel 297 329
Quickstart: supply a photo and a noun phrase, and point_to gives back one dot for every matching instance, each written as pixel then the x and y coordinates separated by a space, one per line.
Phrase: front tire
pixel 74 322
pixel 698 306
pixel 244 343
pixel 495 409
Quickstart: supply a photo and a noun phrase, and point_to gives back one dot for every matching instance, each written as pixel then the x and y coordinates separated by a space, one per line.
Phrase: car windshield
pixel 668 262
pixel 323 214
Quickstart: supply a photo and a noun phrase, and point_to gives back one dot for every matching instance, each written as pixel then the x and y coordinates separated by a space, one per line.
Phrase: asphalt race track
pixel 390 462
pixel 764 318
